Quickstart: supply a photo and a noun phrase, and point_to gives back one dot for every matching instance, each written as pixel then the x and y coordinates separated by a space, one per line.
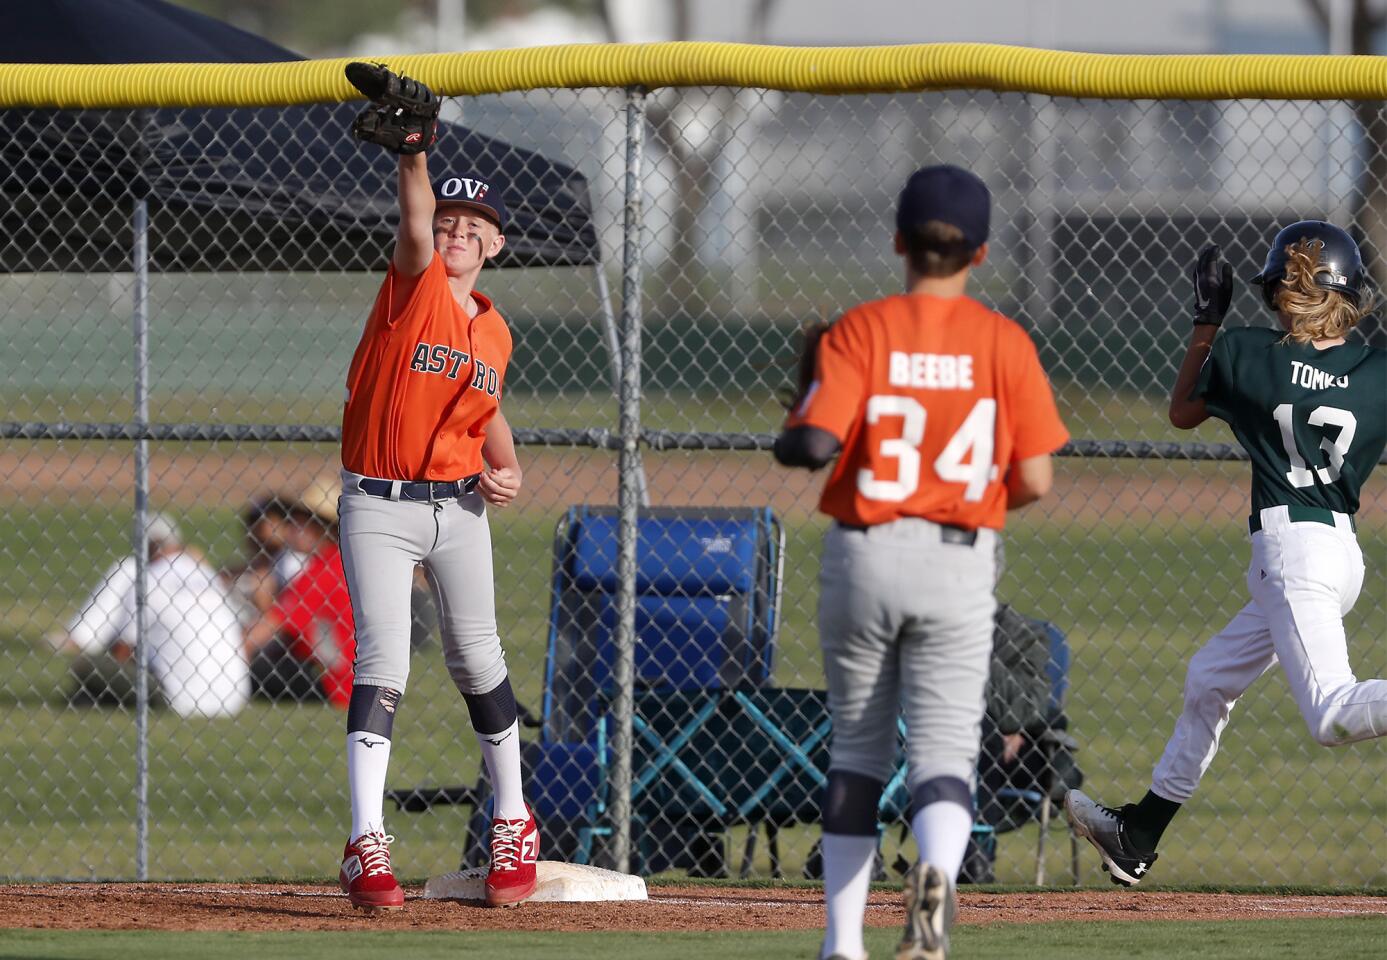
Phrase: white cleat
pixel 930 905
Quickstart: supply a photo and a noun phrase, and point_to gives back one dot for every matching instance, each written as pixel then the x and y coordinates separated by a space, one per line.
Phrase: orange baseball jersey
pixel 424 383
pixel 933 399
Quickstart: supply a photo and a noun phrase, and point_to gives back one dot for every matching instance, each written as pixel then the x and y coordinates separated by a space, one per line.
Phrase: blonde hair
pixel 1314 312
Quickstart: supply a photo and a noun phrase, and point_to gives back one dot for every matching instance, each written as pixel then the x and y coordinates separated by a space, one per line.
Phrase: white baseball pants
pixel 1304 578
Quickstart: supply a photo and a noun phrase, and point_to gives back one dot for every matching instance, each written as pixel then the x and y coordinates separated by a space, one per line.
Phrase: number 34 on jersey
pixel 932 399
pixel 965 459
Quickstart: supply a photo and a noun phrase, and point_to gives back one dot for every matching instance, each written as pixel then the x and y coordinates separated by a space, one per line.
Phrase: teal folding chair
pixel 707 599
pixel 895 803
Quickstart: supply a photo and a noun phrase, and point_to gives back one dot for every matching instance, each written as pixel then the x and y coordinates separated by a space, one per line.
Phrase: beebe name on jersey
pixel 1312 378
pixel 441 358
pixel 931 371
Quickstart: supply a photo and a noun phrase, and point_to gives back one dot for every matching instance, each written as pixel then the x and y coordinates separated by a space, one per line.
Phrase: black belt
pixel 963 536
pixel 426 491
pixel 1300 514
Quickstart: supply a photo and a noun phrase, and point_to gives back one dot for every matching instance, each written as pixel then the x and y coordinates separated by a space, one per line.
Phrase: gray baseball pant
pixel 382 541
pixel 905 622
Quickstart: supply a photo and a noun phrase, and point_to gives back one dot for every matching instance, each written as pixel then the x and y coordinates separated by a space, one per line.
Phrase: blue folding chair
pixel 708 592
pixel 707 595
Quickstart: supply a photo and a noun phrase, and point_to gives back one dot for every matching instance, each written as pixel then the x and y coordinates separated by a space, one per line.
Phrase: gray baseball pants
pixel 382 541
pixel 905 622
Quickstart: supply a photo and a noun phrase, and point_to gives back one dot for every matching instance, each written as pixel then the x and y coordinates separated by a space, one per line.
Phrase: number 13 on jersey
pixel 1335 448
pixel 966 458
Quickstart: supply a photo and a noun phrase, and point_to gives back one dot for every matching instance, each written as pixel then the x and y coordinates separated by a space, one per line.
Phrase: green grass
pixel 263 794
pixel 1353 938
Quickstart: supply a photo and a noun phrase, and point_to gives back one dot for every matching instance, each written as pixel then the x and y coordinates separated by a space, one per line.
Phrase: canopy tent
pixel 283 188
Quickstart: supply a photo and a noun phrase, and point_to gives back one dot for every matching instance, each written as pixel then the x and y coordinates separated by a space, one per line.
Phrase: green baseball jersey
pixel 1314 422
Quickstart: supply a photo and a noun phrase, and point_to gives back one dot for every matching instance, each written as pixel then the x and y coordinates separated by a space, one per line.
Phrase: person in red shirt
pixel 303 645
pixel 941 420
pixel 315 613
pixel 425 451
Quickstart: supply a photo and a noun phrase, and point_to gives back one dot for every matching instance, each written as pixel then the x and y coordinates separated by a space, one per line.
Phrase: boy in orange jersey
pixel 942 420
pixel 425 448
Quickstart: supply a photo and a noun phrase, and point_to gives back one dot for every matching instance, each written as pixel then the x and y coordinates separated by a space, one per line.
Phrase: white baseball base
pixel 557 883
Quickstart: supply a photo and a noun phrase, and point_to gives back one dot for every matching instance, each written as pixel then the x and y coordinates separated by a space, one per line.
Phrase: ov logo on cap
pixel 454 186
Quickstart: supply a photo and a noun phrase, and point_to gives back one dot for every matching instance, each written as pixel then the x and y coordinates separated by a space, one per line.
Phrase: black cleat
pixel 1103 827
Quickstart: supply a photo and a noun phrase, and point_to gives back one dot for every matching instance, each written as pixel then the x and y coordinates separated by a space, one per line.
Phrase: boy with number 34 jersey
pixel 944 420
pixel 933 399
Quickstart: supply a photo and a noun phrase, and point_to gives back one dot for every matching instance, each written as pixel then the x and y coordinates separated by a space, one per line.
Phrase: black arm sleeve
pixel 806 447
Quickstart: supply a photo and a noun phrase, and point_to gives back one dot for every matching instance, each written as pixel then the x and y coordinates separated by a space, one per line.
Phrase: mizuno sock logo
pixel 500 740
pixel 368 743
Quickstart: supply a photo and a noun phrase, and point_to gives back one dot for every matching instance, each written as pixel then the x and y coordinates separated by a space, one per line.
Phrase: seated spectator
pixel 270 563
pixel 302 647
pixel 192 641
pixel 1025 741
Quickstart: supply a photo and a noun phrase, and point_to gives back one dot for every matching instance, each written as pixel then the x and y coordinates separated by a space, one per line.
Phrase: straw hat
pixel 320 496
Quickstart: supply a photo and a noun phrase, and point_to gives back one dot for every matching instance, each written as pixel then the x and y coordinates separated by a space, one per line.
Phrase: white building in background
pixel 776 164
pixel 1100 26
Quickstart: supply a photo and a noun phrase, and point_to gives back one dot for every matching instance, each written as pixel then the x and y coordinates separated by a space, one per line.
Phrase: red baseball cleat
pixel 366 876
pixel 514 852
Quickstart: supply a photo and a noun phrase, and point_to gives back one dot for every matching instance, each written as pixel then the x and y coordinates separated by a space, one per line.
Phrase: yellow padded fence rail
pixel 830 70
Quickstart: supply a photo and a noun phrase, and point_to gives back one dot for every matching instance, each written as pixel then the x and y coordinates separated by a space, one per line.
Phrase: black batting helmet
pixel 1337 251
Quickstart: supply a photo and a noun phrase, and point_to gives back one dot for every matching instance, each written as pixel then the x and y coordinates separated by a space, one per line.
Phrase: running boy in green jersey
pixel 1310 408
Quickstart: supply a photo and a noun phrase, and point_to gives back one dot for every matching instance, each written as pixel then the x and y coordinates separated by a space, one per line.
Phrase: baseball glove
pixel 403 116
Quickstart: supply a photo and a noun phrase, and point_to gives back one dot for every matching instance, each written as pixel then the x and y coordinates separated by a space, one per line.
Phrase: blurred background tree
pixel 1355 27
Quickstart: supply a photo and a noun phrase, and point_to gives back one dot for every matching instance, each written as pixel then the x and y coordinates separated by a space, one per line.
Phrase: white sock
pixel 501 754
pixel 941 832
pixel 847 874
pixel 368 756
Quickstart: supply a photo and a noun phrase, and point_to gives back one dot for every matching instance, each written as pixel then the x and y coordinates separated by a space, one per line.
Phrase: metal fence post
pixel 613 340
pixel 140 320
pixel 1039 246
pixel 629 492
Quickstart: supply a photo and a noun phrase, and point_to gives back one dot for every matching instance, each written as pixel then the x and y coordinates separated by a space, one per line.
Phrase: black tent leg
pixel 773 846
pixel 749 851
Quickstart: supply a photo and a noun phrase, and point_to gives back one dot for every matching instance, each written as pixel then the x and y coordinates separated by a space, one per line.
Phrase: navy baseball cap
pixel 950 195
pixel 474 192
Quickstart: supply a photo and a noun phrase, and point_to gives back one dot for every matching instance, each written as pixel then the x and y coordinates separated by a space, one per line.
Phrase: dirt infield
pixel 285 907
pixel 1085 492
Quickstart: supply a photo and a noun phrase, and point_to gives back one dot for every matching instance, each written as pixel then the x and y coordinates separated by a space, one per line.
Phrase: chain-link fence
pixel 219 373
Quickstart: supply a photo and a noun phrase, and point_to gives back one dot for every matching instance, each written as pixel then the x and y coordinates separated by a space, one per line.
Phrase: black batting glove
pixel 1213 287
